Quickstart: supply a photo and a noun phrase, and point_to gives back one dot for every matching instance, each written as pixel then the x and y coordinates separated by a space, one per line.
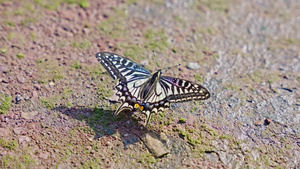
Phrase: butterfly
pixel 138 89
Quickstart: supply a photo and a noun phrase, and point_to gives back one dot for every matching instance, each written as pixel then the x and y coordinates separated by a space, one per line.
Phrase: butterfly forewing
pixel 122 68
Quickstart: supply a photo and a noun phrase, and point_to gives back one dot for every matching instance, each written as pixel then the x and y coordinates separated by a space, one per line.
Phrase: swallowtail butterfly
pixel 138 89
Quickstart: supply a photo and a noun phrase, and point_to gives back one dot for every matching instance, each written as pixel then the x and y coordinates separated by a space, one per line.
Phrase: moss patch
pixel 5 103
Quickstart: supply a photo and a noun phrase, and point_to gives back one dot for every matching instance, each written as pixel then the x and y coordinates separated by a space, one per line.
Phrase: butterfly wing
pixel 151 93
pixel 179 90
pixel 122 68
pixel 131 75
pixel 168 89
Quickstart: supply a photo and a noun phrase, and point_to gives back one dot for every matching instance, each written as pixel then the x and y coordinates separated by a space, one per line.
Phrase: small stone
pixel 37 86
pixel 44 155
pixel 34 95
pixel 259 122
pixel 193 65
pixel 2 118
pixel 23 139
pixel 267 121
pixel 154 145
pixel 213 157
pixel 5 80
pixel 51 84
pixel 18 98
pixel 21 79
pixel 163 137
pixel 86 31
pixel 4 132
pixel 18 130
pixel 4 68
pixel 29 115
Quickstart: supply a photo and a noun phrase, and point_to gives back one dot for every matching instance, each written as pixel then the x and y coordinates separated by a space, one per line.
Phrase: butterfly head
pixel 156 76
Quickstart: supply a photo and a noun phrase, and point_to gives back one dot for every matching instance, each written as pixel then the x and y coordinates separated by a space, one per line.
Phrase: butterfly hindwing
pixel 179 90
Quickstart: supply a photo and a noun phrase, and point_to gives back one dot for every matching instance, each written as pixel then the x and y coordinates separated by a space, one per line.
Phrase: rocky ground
pixel 57 100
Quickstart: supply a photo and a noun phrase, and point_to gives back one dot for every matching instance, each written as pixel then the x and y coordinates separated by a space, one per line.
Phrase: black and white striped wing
pixel 179 90
pixel 132 77
pixel 171 90
pixel 122 68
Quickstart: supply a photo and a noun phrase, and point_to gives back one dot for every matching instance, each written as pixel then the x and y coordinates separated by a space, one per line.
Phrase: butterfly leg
pixel 124 106
pixel 148 116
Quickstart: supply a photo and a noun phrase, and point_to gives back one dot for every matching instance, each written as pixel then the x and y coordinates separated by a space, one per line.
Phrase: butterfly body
pixel 139 89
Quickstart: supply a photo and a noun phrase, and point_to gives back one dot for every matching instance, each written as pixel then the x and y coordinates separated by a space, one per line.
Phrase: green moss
pixel 209 130
pixel 94 163
pixel 11 35
pixel 10 144
pixel 217 5
pixel 76 65
pixel 28 20
pixel 115 26
pixel 10 23
pixel 198 77
pixel 103 93
pixel 5 103
pixel 3 50
pixel 178 19
pixel 49 71
pixel 156 40
pixel 55 4
pixel 49 103
pixel 33 36
pixel 20 56
pixel 226 136
pixel 83 3
pixel 133 51
pixel 147 158
pixel 82 45
pixel 19 11
pixel 182 120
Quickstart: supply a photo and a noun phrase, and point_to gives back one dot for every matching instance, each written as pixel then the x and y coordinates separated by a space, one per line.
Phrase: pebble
pixel 267 121
pixel 5 80
pixel 18 130
pixel 21 79
pixel 4 68
pixel 154 145
pixel 34 95
pixel 193 65
pixel 23 139
pixel 37 86
pixel 51 84
pixel 29 115
pixel 259 122
pixel 4 132
pixel 44 155
pixel 18 98
pixel 212 157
